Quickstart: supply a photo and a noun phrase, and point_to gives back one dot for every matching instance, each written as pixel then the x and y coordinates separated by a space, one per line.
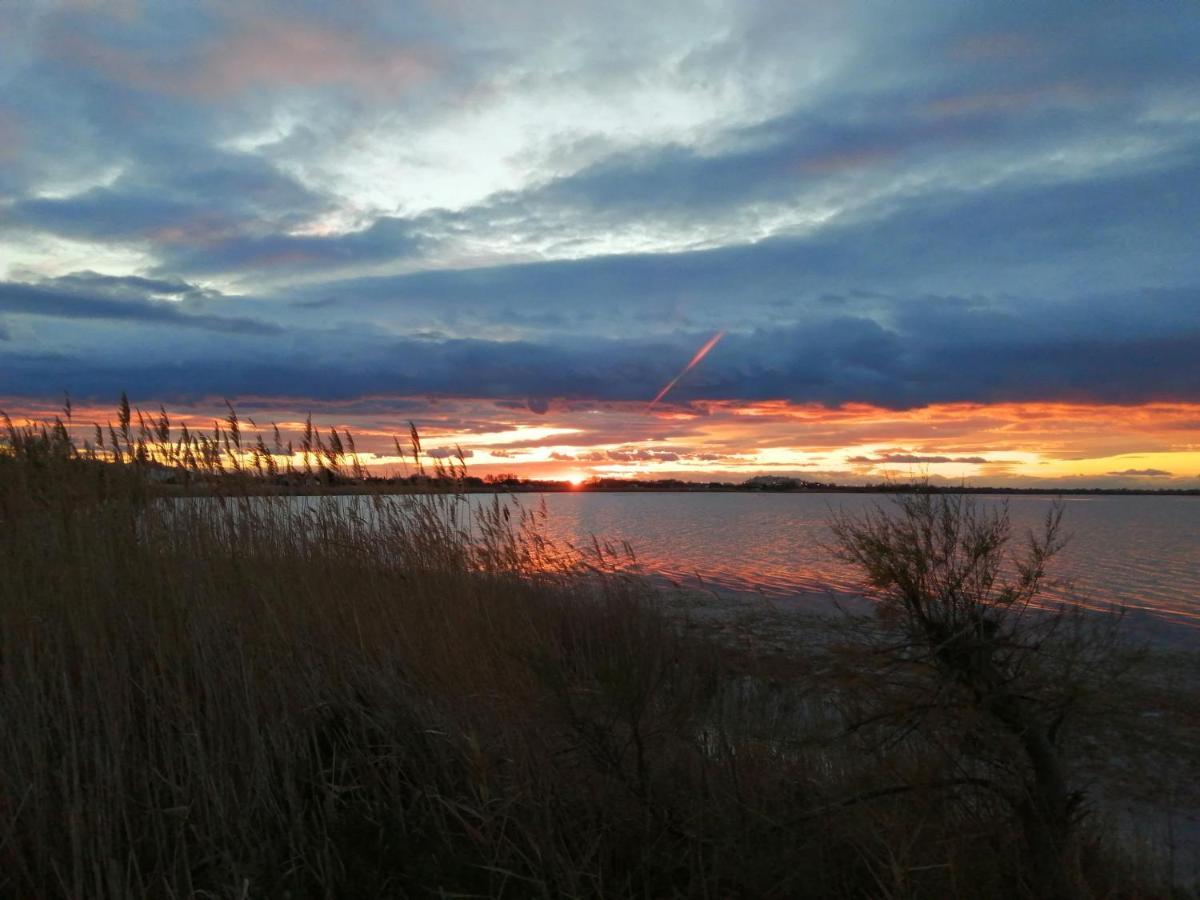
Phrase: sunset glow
pixel 759 239
pixel 699 448
pixel 1043 444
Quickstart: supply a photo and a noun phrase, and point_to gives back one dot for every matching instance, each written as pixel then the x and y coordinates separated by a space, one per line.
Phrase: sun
pixel 575 479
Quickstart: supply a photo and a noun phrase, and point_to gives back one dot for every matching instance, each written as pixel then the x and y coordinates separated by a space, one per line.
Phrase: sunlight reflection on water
pixel 1140 551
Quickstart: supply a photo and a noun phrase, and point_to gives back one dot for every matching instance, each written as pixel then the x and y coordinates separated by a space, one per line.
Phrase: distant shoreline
pixel 1045 492
pixel 384 487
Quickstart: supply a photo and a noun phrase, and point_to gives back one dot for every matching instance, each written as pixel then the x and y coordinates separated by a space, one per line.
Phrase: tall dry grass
pixel 241 696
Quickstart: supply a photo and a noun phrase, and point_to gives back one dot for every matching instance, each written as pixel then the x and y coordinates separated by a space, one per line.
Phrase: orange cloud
pixel 1003 443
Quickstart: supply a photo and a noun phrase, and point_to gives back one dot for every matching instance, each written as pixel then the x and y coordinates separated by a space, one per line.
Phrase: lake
pixel 1140 551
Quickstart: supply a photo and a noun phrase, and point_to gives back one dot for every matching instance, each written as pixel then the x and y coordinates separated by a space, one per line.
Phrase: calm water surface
pixel 1141 551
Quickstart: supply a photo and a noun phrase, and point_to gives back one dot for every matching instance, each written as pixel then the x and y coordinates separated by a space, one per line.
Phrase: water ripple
pixel 1143 552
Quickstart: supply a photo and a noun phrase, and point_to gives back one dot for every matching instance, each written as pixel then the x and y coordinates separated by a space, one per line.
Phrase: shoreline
pixel 382 489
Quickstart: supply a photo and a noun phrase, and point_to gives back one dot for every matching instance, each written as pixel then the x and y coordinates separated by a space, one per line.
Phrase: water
pixel 1143 552
pixel 1139 552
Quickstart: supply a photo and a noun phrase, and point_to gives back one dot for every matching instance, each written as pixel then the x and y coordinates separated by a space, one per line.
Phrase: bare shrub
pixel 974 666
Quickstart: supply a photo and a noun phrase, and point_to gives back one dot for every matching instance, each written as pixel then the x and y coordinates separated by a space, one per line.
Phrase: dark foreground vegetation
pixel 245 696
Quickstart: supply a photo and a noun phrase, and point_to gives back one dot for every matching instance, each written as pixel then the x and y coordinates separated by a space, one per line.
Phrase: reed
pixel 236 695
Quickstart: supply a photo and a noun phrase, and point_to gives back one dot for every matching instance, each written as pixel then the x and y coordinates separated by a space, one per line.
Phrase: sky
pixel 954 240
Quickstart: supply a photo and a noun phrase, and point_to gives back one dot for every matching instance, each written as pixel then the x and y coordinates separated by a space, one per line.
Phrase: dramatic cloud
pixel 916 458
pixel 922 207
pixel 132 299
pixel 1052 445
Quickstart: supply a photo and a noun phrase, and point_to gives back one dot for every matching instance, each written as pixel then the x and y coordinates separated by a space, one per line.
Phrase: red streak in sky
pixel 700 354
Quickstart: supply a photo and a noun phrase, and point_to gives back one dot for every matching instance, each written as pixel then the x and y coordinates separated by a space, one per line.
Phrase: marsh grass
pixel 250 696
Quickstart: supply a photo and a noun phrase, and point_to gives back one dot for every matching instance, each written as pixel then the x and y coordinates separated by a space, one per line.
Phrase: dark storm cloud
pixel 202 210
pixel 128 299
pixel 838 360
pixel 932 203
pixel 1023 246
pixel 386 239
